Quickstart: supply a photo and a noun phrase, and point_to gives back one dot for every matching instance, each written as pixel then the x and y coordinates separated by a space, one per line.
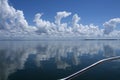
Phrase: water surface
pixel 52 60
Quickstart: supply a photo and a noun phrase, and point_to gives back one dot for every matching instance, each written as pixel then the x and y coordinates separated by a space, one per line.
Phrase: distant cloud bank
pixel 13 25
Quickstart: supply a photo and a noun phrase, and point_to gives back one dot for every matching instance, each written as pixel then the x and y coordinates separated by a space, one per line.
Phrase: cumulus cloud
pixel 13 24
pixel 110 25
pixel 61 15
pixel 89 30
pixel 75 20
pixel 12 19
pixel 62 27
pixel 43 26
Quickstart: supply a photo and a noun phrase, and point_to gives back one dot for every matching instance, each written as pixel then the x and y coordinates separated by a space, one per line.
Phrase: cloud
pixel 14 25
pixel 75 19
pixel 43 26
pixel 12 19
pixel 89 30
pixel 61 15
pixel 62 27
pixel 110 25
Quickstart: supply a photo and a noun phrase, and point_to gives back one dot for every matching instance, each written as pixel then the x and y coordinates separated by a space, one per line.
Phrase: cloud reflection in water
pixel 14 55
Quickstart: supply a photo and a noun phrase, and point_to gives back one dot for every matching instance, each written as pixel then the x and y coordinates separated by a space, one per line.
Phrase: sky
pixel 61 18
pixel 90 11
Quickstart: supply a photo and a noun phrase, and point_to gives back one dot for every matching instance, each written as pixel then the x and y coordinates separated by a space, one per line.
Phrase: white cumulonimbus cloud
pixel 13 23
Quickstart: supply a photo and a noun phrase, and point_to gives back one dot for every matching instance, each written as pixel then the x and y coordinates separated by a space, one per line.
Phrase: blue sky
pixel 90 11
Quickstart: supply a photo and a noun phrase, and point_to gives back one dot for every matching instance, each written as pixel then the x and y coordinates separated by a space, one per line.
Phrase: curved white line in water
pixel 89 67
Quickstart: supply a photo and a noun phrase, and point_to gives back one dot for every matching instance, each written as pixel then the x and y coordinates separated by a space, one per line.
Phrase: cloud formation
pixel 13 24
pixel 110 25
pixel 12 19
pixel 61 15
pixel 43 26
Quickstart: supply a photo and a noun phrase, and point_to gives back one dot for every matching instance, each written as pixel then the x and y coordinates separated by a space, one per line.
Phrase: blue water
pixel 52 60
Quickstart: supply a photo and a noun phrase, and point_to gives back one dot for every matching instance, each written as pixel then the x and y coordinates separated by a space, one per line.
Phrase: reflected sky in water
pixel 52 60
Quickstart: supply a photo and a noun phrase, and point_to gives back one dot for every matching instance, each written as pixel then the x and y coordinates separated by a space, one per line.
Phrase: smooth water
pixel 52 60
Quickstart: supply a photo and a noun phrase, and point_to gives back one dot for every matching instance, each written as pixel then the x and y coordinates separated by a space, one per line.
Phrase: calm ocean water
pixel 52 60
